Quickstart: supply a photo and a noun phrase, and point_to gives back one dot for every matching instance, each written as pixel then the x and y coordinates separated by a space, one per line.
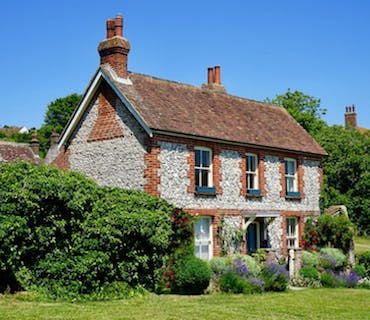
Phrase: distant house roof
pixel 14 129
pixel 12 152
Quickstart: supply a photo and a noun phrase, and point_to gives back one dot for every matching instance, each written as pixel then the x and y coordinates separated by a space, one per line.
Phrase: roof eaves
pixel 235 143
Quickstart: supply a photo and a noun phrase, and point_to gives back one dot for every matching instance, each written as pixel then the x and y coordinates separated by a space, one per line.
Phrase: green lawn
pixel 303 304
pixel 362 244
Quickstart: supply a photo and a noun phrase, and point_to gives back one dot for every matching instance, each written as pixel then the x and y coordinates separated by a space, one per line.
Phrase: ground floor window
pixel 203 238
pixel 292 232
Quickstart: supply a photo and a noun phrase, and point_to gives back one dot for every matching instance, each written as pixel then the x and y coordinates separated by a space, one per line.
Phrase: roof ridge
pixel 202 89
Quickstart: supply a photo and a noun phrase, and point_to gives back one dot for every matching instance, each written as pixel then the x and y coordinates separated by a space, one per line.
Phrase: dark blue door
pixel 252 238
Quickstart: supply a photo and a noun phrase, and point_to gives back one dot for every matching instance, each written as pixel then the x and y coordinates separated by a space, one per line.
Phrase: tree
pixel 59 111
pixel 347 175
pixel 56 117
pixel 305 109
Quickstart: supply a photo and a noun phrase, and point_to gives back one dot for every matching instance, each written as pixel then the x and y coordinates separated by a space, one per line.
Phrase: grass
pixel 362 244
pixel 303 304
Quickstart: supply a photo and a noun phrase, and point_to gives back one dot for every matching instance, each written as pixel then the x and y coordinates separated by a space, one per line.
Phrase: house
pixel 236 163
pixel 14 129
pixel 13 151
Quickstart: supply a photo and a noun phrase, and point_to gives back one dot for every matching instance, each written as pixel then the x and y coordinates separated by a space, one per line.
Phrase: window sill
pixel 254 193
pixel 206 191
pixel 293 195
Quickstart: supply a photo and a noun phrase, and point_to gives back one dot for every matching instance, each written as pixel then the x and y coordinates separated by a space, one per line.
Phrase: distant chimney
pixel 114 49
pixel 35 144
pixel 350 117
pixel 54 138
pixel 214 80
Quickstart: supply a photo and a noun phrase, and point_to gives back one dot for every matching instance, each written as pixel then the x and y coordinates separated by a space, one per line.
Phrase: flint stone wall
pixel 116 162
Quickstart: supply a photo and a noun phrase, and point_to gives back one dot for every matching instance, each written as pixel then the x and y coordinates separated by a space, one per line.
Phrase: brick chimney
pixel 114 49
pixel 54 138
pixel 214 80
pixel 350 117
pixel 35 144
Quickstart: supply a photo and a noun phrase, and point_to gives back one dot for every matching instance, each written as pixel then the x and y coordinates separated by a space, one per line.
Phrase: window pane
pixel 197 173
pixel 206 158
pixel 290 184
pixel 204 178
pixel 197 158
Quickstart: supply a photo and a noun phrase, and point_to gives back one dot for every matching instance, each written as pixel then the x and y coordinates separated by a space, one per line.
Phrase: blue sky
pixel 319 47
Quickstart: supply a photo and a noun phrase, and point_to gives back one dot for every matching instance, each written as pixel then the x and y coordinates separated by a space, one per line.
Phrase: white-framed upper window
pixel 252 171
pixel 203 167
pixel 203 238
pixel 292 232
pixel 291 177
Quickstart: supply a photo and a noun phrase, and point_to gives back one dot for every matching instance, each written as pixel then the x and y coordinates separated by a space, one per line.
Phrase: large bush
pixel 66 234
pixel 192 276
pixel 41 209
pixel 328 230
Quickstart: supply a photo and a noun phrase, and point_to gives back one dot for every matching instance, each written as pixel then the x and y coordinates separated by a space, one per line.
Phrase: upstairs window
pixel 291 177
pixel 252 172
pixel 203 170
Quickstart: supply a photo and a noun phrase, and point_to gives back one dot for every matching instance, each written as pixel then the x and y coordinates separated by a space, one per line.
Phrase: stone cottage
pixel 236 163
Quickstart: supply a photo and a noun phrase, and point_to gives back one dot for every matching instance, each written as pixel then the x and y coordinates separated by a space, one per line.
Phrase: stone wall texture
pixel 115 162
pixel 174 182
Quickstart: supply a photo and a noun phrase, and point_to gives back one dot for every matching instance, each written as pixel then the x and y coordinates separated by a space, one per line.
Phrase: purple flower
pixel 274 270
pixel 241 268
pixel 353 279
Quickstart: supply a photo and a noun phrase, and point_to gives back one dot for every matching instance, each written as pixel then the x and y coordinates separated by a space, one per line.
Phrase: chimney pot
pixel 119 26
pixel 110 28
pixel 35 144
pixel 210 75
pixel 217 78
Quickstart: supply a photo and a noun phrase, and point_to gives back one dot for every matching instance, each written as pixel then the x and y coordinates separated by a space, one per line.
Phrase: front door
pixel 252 237
pixel 203 238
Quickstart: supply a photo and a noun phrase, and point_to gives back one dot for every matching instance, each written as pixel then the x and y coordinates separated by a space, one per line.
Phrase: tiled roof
pixel 12 151
pixel 179 108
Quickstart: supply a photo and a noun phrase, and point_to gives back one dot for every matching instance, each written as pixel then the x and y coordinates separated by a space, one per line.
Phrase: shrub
pixel 352 279
pixel 63 233
pixel 360 270
pixel 253 267
pixel 332 258
pixel 309 272
pixel 336 231
pixel 310 259
pixel 364 259
pixel 232 283
pixel 192 276
pixel 219 265
pixel 254 285
pixel 276 277
pixel 330 279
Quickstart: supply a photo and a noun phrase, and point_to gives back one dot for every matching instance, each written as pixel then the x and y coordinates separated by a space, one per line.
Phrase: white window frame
pixel 202 240
pixel 252 173
pixel 292 232
pixel 202 168
pixel 291 178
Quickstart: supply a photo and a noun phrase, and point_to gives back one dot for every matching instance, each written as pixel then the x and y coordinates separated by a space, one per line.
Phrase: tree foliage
pixel 57 115
pixel 305 109
pixel 347 173
pixel 59 111
pixel 63 233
